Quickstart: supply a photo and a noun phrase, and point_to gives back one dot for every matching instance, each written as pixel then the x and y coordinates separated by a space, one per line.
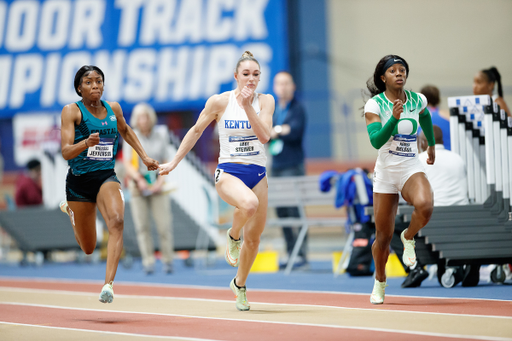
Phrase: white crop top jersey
pixel 238 143
pixel 403 146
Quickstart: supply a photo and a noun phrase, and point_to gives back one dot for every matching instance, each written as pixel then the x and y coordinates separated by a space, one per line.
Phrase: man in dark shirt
pixel 289 122
pixel 28 186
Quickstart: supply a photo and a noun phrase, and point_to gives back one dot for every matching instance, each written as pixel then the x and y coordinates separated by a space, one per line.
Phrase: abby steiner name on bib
pixel 404 145
pixel 242 146
pixel 104 151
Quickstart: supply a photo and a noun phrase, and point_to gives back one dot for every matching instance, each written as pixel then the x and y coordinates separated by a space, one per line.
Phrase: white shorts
pixel 391 179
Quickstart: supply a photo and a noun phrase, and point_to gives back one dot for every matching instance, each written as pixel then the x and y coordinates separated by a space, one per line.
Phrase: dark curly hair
pixel 84 71
pixel 375 85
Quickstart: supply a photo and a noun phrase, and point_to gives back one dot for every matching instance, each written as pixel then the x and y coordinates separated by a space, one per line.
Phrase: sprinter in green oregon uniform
pixel 392 118
pixel 89 138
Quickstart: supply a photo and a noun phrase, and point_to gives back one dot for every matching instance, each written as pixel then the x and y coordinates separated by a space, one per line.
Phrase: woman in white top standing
pixel 245 121
pixel 148 194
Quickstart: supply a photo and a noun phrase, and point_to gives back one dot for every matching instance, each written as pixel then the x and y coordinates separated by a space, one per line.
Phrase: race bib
pixel 404 145
pixel 218 173
pixel 104 151
pixel 243 146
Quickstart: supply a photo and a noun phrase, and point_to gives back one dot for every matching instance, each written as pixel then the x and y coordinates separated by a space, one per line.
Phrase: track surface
pixel 32 309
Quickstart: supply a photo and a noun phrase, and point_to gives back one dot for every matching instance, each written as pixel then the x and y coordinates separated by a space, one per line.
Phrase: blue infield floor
pixel 318 278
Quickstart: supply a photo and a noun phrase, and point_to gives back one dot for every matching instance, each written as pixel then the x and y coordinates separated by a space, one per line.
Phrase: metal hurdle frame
pixel 466 130
pixel 509 146
pixel 481 134
pixel 505 155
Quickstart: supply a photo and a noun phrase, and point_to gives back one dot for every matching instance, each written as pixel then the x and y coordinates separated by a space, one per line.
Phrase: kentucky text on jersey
pixel 237 124
pixel 104 131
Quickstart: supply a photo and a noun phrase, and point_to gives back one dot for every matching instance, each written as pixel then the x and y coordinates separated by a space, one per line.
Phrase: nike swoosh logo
pixel 233 261
pixel 260 174
pixel 397 60
pixel 411 110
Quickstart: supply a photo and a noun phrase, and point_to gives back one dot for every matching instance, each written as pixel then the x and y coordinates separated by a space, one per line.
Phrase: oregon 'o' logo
pixel 406 126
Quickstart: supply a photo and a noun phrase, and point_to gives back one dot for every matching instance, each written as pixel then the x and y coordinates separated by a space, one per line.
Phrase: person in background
pixel 483 84
pixel 286 148
pixel 448 180
pixel 440 117
pixel 447 176
pixel 28 186
pixel 146 189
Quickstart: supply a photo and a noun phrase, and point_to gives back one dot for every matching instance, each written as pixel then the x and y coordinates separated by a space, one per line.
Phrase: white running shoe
pixel 233 248
pixel 64 206
pixel 241 296
pixel 378 292
pixel 409 256
pixel 107 293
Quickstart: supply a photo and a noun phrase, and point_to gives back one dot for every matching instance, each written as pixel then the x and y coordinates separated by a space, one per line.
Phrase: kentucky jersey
pixel 101 156
pixel 402 144
pixel 238 143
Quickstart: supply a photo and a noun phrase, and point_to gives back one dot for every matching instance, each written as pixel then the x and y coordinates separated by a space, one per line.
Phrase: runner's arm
pixel 68 117
pixel 214 106
pixel 130 137
pixel 379 134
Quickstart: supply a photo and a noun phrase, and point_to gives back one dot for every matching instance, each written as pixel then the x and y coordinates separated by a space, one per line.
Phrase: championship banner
pixel 172 54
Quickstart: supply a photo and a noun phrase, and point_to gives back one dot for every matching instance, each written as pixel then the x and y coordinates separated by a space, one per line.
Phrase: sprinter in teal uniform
pixel 89 139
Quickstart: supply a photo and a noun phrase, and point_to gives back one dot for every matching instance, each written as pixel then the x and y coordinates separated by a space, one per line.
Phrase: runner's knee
pixel 249 206
pixel 424 210
pixel 88 247
pixel 383 239
pixel 116 224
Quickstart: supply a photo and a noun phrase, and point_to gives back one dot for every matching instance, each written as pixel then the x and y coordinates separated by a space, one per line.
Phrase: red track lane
pixel 189 326
pixel 420 304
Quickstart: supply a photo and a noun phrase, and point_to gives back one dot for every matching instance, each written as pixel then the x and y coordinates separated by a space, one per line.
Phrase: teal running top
pixel 101 156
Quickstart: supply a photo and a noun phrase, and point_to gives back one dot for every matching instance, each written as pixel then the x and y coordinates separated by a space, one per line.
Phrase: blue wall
pixel 309 64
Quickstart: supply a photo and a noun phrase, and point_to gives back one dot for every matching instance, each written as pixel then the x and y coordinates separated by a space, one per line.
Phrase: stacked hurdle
pixel 481 134
pixel 481 232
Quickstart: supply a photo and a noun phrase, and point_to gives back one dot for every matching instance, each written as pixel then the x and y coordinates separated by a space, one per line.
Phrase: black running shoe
pixel 415 277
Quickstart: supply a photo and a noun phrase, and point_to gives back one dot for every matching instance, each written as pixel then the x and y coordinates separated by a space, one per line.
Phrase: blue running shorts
pixel 250 175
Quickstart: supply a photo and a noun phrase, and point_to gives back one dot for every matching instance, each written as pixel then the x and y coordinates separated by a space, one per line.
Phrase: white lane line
pixel 109 333
pixel 200 287
pixel 408 332
pixel 78 293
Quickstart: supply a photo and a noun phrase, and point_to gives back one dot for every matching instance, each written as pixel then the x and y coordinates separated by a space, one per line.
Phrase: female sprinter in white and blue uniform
pixel 89 139
pixel 392 118
pixel 245 120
